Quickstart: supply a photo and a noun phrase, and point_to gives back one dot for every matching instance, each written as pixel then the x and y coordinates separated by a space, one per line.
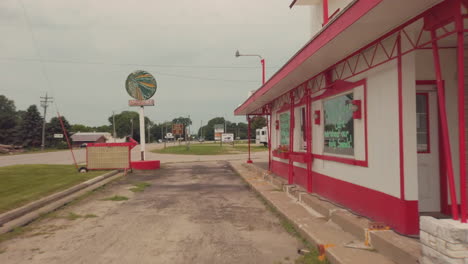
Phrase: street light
pixel 262 61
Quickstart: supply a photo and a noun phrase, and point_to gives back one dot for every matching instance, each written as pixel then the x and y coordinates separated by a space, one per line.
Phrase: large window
pixel 284 128
pixel 339 125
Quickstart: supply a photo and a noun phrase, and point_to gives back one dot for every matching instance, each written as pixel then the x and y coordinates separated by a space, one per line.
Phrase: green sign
pixel 339 125
pixel 284 128
pixel 141 85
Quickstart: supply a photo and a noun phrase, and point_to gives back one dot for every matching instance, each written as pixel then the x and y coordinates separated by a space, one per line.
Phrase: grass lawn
pixel 32 151
pixel 209 149
pixel 20 184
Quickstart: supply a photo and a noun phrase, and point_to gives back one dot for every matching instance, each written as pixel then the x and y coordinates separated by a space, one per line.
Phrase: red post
pixel 325 12
pixel 308 132
pixel 248 137
pixel 68 141
pixel 268 123
pixel 263 70
pixel 444 125
pixel 400 119
pixel 291 140
pixel 461 113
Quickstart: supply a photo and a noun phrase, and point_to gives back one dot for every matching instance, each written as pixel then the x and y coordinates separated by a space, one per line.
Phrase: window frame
pixel 337 88
pixel 428 149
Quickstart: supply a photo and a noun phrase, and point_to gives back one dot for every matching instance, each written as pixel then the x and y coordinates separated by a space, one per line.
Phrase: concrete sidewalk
pixel 325 224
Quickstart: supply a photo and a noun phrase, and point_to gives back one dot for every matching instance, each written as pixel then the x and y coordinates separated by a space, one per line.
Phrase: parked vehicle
pixel 261 136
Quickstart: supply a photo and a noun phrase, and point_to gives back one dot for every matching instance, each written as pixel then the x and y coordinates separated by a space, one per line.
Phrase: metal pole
pixel 248 138
pixel 113 123
pixel 68 140
pixel 263 70
pixel 444 126
pixel 325 12
pixel 142 132
pixel 461 113
pixel 45 104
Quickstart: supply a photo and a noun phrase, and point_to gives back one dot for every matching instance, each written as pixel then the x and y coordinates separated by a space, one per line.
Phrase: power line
pixel 133 64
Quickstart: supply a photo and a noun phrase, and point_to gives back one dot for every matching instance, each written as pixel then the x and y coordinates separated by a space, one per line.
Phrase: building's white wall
pixel 316 18
pixel 410 151
pixel 382 120
pixel 425 71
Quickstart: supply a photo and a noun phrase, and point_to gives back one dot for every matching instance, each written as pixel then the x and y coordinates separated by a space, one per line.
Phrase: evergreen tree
pixel 8 120
pixel 54 127
pixel 31 127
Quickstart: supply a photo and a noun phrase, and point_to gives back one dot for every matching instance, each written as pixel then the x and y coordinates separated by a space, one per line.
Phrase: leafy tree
pixel 54 127
pixel 81 128
pixel 8 120
pixel 186 121
pixel 31 127
pixel 258 122
pixel 123 124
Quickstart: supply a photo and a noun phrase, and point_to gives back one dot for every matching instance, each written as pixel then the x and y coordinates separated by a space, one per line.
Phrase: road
pixel 64 157
pixel 192 213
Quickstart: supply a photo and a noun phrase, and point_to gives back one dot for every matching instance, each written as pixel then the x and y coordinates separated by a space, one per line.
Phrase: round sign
pixel 141 85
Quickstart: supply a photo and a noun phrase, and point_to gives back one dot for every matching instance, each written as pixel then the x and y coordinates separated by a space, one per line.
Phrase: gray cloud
pixel 89 47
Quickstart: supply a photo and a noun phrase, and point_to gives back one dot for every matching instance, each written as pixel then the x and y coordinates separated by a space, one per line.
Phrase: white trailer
pixel 261 136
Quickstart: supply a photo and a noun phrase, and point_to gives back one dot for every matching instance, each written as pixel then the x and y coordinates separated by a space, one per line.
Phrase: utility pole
pixel 201 129
pixel 113 123
pixel 44 103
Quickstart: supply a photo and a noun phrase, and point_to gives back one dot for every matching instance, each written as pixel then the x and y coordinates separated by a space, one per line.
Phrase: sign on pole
pixel 149 102
pixel 178 129
pixel 58 135
pixel 227 137
pixel 141 85
pixel 218 131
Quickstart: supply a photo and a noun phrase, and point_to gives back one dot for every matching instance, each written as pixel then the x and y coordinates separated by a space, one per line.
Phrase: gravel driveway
pixel 192 213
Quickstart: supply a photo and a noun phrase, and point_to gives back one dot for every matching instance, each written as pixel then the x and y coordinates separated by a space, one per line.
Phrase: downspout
pixel 461 112
pixel 291 140
pixel 248 137
pixel 308 129
pixel 444 125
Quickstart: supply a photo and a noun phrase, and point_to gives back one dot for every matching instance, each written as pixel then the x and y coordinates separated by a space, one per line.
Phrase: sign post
pixel 141 85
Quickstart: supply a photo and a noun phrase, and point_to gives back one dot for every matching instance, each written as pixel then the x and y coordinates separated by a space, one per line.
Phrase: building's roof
pixel 88 137
pixel 360 23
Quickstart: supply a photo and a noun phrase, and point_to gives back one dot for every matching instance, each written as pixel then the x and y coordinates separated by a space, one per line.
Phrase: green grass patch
pixel 20 184
pixel 140 186
pixel 32 151
pixel 116 198
pixel 209 149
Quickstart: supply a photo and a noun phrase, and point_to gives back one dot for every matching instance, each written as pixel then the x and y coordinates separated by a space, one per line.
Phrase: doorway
pixel 427 123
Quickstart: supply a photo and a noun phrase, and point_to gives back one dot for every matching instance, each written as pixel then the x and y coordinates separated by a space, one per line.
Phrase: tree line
pixel 24 127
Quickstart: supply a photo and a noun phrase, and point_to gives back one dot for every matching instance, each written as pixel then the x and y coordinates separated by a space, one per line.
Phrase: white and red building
pixel 370 113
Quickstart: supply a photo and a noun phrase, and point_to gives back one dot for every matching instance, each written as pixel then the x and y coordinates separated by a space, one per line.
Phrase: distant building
pixel 80 138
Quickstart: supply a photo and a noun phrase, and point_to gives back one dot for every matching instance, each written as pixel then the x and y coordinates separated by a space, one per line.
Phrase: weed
pixel 14 233
pixel 139 187
pixel 116 198
pixel 35 249
pixel 90 216
pixel 72 216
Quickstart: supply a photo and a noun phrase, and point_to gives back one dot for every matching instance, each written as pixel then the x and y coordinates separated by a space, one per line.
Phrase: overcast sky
pixel 81 52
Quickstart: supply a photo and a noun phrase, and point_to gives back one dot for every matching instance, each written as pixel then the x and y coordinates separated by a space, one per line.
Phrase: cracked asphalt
pixel 200 212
